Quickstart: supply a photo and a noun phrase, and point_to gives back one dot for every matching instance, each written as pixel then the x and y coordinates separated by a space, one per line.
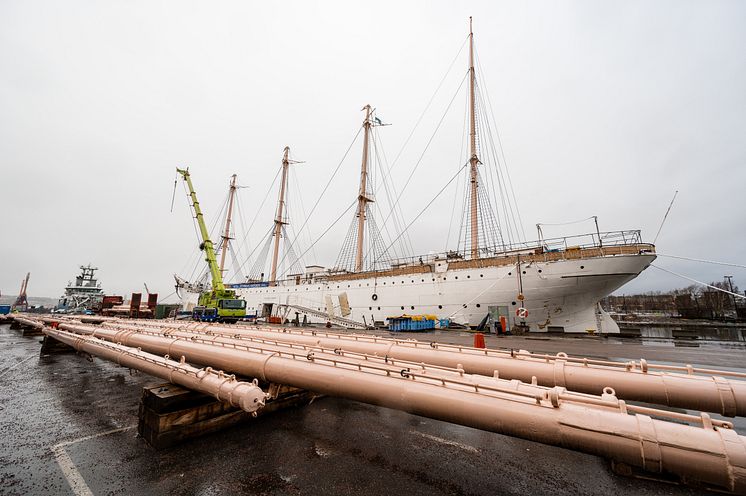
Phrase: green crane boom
pixel 207 244
pixel 219 304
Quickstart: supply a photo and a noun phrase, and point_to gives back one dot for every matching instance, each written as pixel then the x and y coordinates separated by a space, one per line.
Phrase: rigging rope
pixel 665 216
pixel 173 196
pixel 741 266
pixel 328 228
pixel 261 240
pixel 261 206
pixel 422 155
pixel 498 177
pixel 313 209
pixel 314 256
pixel 427 107
pixel 565 223
pixel 456 195
pixel 383 177
pixel 423 210
pixel 500 144
pixel 699 282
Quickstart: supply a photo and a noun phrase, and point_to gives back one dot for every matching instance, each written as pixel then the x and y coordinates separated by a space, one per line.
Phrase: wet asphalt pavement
pixel 64 412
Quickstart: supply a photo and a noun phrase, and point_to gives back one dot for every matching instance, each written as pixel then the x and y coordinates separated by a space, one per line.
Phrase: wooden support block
pixel 31 331
pixel 170 414
pixel 51 346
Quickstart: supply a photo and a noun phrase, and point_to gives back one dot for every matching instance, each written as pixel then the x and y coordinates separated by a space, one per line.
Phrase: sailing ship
pixel 550 285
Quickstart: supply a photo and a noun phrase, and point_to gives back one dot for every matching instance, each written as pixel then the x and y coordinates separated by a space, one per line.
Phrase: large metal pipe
pixel 455 376
pixel 714 455
pixel 395 366
pixel 224 387
pixel 27 322
pixel 634 381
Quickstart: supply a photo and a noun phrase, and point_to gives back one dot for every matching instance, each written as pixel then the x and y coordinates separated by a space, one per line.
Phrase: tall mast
pixel 227 232
pixel 474 160
pixel 362 197
pixel 278 220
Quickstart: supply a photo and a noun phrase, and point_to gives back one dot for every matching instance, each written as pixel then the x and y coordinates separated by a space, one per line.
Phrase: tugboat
pixel 83 296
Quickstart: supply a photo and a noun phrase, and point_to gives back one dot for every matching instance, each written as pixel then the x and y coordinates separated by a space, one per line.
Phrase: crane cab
pixel 220 306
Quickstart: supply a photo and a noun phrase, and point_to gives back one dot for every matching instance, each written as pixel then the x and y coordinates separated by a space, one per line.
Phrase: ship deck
pixel 504 260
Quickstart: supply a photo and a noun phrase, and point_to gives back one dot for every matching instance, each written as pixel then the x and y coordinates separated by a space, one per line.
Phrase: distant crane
pixel 21 303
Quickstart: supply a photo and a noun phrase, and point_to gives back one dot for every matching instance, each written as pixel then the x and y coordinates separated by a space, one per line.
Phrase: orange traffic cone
pixel 479 340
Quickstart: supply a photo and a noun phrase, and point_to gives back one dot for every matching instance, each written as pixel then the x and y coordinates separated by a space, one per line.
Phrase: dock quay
pixel 79 424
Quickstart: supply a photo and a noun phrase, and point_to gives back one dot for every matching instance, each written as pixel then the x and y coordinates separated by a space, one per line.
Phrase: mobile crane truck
pixel 219 304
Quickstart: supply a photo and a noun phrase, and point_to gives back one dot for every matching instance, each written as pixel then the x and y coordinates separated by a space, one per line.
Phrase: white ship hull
pixel 560 295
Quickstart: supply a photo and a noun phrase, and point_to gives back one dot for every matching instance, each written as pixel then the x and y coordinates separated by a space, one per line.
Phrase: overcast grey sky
pixel 604 108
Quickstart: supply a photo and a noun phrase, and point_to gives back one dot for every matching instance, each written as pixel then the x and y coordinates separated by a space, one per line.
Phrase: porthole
pixel 512 303
pixel 402 308
pixel 444 278
pixel 440 307
pixel 524 271
pixel 370 308
pixel 582 266
pixel 478 305
pixel 412 308
pixel 481 275
pixel 510 273
pixel 456 277
pixel 539 271
pixel 379 308
pixel 422 280
pixel 433 279
pixel 468 277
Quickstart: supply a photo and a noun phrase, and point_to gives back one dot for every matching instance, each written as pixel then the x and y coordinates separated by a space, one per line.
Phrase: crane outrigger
pixel 219 304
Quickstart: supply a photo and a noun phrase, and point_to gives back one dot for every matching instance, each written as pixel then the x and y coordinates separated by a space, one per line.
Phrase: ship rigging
pixel 550 284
